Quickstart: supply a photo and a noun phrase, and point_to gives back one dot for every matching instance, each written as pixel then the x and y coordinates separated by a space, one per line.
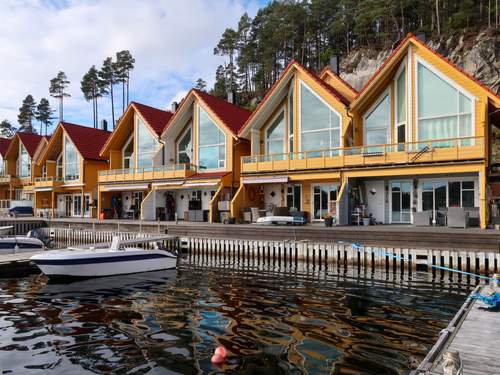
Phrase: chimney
pixel 104 125
pixel 334 64
pixel 175 106
pixel 230 96
pixel 422 37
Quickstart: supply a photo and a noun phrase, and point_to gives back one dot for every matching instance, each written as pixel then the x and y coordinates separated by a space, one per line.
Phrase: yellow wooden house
pixel 69 164
pixel 4 177
pixel 408 147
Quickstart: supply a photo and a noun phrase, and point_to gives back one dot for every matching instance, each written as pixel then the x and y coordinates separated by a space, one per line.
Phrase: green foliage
pixel 312 31
pixel 6 129
pixel 200 85
pixel 57 89
pixel 27 113
pixel 44 114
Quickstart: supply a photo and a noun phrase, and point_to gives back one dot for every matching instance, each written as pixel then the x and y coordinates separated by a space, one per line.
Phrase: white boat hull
pixel 97 263
pixel 20 244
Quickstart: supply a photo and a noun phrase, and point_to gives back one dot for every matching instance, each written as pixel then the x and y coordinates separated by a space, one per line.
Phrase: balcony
pixel 147 173
pixel 442 150
pixel 48 182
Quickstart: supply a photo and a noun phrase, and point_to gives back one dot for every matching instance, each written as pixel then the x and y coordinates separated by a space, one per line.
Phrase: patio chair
pixel 422 218
pixel 457 218
pixel 255 213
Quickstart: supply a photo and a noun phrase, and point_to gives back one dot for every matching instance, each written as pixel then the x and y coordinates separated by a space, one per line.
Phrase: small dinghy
pixel 103 262
pixel 20 244
pixel 281 220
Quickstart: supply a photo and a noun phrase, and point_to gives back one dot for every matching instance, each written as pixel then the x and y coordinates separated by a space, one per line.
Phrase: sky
pixel 172 42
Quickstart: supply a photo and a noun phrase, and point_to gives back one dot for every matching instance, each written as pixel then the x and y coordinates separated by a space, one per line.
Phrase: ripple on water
pixel 270 320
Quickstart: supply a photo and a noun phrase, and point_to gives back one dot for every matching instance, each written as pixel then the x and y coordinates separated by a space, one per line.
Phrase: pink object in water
pixel 221 351
pixel 219 355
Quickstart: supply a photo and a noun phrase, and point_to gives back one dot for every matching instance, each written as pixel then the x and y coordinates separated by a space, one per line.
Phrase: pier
pixel 473 333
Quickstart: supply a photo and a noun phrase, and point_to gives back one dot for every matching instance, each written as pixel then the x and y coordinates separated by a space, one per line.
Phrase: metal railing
pixel 49 179
pixel 158 169
pixel 410 148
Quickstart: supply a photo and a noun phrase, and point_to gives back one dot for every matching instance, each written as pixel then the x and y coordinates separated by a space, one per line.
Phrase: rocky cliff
pixel 476 53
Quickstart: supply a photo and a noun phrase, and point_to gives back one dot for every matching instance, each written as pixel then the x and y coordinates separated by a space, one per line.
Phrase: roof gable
pixel 30 142
pixel 396 56
pixel 4 145
pixel 88 141
pixel 334 80
pixel 157 119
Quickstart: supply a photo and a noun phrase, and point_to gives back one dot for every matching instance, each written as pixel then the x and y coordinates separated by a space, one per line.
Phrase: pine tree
pixel 124 64
pixel 200 85
pixel 57 89
pixel 44 115
pixel 108 75
pixel 93 88
pixel 227 46
pixel 26 114
pixel 6 129
pixel 221 84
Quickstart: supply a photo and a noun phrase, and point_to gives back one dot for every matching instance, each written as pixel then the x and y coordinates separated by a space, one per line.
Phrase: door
pixel 434 197
pixel 375 200
pixel 68 211
pixel 77 205
pixel 401 192
pixel 324 200
pixel 294 197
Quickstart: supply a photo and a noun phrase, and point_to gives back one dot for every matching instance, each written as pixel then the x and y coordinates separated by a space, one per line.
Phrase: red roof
pixel 231 115
pixel 203 175
pixel 156 118
pixel 30 141
pixel 4 145
pixel 88 141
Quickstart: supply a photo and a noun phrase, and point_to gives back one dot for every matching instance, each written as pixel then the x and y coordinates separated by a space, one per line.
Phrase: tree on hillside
pixel 200 85
pixel 227 47
pixel 57 89
pixel 221 84
pixel 108 75
pixel 6 129
pixel 26 115
pixel 44 115
pixel 93 88
pixel 124 64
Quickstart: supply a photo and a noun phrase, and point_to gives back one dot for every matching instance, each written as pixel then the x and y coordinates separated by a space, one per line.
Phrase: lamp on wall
pixel 373 191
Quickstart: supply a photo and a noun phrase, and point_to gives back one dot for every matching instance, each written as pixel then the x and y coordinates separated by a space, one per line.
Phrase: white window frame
pixel 293 196
pixel 266 140
pixel 20 161
pixel 316 130
pixel 396 97
pixel 223 167
pixel 132 157
pixel 290 131
pixel 411 200
pixel 78 159
pixel 460 89
pixel 136 142
pixel 447 180
pixel 189 128
pixel 59 167
pixel 329 184
pixel 374 106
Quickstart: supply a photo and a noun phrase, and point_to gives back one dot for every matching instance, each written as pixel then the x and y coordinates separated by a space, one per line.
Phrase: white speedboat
pixel 6 230
pixel 103 262
pixel 20 244
pixel 280 220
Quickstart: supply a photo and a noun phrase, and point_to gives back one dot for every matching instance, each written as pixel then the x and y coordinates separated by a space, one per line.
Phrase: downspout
pixel 232 166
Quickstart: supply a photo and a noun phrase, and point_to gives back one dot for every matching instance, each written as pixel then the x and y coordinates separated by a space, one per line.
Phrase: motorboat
pixel 20 244
pixel 281 220
pixel 6 230
pixel 115 260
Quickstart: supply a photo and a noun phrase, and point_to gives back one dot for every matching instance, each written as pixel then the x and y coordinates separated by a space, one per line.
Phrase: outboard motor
pixel 47 241
pixel 160 246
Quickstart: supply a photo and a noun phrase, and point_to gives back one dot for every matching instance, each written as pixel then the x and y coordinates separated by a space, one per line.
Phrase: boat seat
pixel 115 244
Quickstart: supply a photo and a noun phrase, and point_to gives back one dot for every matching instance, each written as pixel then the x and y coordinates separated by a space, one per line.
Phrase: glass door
pixel 68 205
pixel 324 200
pixel 401 192
pixel 293 197
pixel 77 205
pixel 434 197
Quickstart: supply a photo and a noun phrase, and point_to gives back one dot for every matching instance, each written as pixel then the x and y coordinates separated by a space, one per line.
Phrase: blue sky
pixel 172 42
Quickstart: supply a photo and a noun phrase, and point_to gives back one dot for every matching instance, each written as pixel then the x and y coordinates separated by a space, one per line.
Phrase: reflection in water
pixel 293 321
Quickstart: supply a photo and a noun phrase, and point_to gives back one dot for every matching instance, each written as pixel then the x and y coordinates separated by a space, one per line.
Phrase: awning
pixel 266 180
pixel 43 189
pixel 201 184
pixel 125 187
pixel 170 183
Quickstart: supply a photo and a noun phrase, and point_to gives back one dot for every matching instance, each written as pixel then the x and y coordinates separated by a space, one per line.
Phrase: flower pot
pixel 328 222
pixel 366 221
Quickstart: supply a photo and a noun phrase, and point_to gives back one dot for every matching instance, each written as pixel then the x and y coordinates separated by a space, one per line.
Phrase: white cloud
pixel 172 42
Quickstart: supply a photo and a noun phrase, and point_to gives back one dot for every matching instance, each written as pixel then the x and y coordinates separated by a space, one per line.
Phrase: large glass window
pixel 184 147
pixel 24 161
pixel 401 109
pixel 71 161
pixel 2 166
pixel 59 167
pixel 128 154
pixel 401 202
pixel 319 124
pixel 212 144
pixel 461 193
pixel 275 135
pixel 377 124
pixel 147 146
pixel 443 111
pixel 290 120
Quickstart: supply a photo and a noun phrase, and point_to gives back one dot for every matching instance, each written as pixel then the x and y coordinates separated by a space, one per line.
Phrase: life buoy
pixel 251 193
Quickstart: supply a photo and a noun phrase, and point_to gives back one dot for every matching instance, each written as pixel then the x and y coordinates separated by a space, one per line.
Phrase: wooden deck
pixel 475 333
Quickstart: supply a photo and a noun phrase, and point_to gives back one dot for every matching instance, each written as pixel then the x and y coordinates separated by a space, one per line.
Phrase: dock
pixel 475 334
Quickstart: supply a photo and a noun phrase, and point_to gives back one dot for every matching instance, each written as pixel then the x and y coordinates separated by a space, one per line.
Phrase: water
pixel 271 320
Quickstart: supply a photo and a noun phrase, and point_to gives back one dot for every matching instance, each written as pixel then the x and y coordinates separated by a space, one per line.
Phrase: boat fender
pixel 219 355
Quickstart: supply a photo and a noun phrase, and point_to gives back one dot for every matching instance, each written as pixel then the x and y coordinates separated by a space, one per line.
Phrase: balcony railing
pixel 452 149
pixel 5 178
pixel 48 181
pixel 148 173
